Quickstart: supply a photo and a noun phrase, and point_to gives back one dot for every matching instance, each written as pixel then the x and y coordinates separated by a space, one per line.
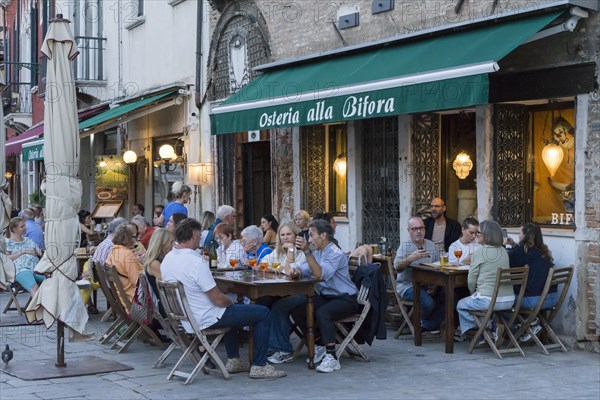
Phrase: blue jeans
pixel 467 321
pixel 279 332
pixel 236 316
pixel 531 301
pixel 432 314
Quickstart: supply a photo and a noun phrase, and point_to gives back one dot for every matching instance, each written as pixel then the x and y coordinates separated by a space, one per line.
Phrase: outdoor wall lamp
pixel 130 157
pixel 340 166
pixel 462 165
pixel 8 175
pixel 168 158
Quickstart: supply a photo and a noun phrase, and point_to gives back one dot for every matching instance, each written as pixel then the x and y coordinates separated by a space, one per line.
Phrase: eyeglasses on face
pixel 417 228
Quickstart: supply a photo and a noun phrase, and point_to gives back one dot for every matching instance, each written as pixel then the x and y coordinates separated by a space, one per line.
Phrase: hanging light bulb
pixel 462 165
pixel 340 166
pixel 102 163
pixel 552 155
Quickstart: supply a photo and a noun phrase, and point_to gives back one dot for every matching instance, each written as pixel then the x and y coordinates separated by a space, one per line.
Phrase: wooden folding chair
pixel 134 328
pixel 504 277
pixel 556 277
pixel 174 301
pixel 346 337
pixel 14 290
pixel 173 329
pixel 405 307
pixel 113 303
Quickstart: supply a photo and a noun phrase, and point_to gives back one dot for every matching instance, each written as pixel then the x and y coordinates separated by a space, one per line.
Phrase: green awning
pixel 440 73
pixel 33 151
pixel 121 110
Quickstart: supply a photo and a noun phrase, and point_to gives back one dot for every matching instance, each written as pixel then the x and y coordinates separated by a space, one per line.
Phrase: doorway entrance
pixel 458 176
pixel 256 157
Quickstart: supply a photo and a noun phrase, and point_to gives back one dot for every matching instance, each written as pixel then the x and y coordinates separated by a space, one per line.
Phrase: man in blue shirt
pixel 33 230
pixel 335 295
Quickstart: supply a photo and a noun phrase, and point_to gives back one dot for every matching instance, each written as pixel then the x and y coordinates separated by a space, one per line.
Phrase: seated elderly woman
pixel 24 254
pixel 124 259
pixel 252 242
pixel 229 248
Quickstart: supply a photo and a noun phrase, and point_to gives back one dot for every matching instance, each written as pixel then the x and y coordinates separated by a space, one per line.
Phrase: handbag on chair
pixel 141 309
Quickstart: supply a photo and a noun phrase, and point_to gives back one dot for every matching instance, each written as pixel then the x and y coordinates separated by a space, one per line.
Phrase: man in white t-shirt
pixel 460 251
pixel 212 308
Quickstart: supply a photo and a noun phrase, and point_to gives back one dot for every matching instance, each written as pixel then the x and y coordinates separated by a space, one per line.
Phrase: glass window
pixel 338 168
pixel 553 145
pixel 324 168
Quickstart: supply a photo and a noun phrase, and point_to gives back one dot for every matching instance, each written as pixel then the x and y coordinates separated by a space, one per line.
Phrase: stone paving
pixel 397 369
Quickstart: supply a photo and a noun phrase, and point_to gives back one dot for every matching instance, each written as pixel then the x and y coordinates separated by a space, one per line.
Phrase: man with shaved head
pixel 413 252
pixel 439 229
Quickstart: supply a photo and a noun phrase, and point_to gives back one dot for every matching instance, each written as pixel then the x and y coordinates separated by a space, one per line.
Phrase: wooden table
pixel 448 278
pixel 252 285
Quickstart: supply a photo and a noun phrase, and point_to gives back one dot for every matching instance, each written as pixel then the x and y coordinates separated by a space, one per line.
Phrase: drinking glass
pixel 252 261
pixel 233 263
pixel 263 267
pixel 458 253
pixel 443 259
pixel 277 267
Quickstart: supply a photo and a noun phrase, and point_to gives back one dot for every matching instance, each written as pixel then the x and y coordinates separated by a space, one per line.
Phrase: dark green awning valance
pixel 440 73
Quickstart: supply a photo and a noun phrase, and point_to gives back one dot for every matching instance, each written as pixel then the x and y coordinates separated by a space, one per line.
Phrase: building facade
pixel 362 108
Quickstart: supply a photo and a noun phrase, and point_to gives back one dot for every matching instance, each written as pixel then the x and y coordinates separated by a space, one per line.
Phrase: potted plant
pixel 38 198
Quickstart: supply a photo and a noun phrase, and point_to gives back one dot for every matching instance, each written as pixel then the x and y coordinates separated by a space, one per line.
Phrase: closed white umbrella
pixel 58 297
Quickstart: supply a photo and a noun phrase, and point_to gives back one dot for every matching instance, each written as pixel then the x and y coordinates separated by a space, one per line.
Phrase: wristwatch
pixel 307 252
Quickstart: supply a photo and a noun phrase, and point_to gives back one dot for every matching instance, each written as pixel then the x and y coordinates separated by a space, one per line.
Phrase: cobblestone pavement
pixel 397 369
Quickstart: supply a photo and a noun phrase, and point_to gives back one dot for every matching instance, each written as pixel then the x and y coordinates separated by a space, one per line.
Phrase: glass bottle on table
pixel 212 256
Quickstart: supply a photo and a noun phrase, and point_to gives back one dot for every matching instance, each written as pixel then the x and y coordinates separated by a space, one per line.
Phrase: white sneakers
pixel 329 364
pixel 319 354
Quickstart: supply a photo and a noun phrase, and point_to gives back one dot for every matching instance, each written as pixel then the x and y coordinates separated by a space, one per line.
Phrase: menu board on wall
pixel 107 209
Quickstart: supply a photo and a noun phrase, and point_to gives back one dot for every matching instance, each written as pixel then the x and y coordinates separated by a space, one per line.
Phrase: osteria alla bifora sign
pixel 319 109
pixel 353 107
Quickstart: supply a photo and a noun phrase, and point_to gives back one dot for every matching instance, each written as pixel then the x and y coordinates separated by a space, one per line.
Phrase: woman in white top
pixel 460 252
pixel 279 330
pixel 229 249
pixel 285 252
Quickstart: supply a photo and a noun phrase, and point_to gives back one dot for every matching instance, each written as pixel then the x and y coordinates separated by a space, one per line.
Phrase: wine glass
pixel 458 253
pixel 263 267
pixel 276 265
pixel 233 263
pixel 252 261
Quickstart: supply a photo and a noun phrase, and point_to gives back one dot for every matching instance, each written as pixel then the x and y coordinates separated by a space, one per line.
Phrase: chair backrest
pixel 354 262
pixel 560 276
pixel 117 287
pixel 105 286
pixel 363 295
pixel 175 303
pixel 510 277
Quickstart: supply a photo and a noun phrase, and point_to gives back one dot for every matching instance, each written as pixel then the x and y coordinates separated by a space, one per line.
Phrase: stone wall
pixel 284 175
pixel 589 291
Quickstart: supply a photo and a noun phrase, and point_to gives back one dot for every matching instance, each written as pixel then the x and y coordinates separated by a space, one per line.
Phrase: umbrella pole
pixel 60 345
